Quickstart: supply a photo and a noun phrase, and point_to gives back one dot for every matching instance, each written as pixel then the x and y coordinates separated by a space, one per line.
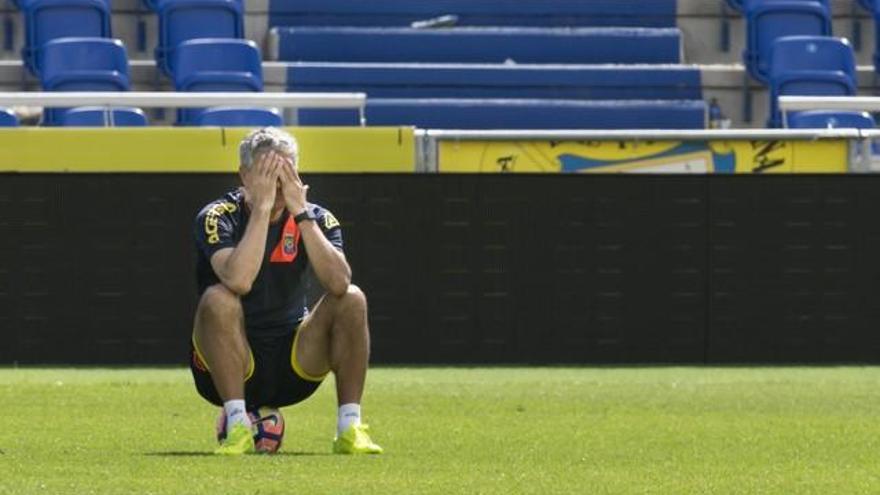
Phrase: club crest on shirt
pixel 289 244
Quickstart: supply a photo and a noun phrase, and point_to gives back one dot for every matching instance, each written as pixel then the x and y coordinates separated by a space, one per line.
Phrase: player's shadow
pixel 211 454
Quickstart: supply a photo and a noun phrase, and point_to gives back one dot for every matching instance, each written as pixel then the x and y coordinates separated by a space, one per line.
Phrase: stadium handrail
pixel 645 134
pixel 856 103
pixel 846 103
pixel 172 99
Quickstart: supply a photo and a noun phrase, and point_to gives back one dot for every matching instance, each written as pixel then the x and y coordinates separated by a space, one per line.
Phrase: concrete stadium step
pixel 559 13
pixel 477 45
pixel 586 82
pixel 478 113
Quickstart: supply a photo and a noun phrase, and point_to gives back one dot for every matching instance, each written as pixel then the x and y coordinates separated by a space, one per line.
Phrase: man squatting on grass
pixel 255 343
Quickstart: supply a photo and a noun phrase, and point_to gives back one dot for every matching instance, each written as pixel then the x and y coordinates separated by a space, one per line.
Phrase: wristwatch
pixel 305 215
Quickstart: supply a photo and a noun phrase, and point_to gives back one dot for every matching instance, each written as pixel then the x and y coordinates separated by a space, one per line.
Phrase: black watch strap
pixel 302 217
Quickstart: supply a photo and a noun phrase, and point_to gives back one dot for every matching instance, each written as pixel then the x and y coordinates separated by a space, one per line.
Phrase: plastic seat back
pixel 46 20
pixel 770 20
pixel 100 117
pixel 239 117
pixel 831 119
pixel 183 20
pixel 810 66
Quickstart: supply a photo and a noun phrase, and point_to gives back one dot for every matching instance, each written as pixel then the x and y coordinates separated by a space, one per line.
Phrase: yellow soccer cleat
pixel 239 440
pixel 355 440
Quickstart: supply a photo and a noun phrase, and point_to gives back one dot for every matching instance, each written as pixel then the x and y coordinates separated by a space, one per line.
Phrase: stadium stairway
pixel 644 96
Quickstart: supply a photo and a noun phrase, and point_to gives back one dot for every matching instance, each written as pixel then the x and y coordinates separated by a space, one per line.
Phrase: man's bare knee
pixel 354 301
pixel 218 301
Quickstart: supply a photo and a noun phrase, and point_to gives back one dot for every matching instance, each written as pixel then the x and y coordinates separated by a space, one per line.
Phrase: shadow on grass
pixel 211 454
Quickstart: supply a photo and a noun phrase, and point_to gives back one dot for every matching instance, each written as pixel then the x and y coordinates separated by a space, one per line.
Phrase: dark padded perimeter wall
pixel 473 269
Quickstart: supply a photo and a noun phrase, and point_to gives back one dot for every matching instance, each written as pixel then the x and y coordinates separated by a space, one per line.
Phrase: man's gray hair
pixel 265 139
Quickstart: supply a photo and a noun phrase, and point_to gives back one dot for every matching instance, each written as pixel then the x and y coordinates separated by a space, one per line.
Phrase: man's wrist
pixel 263 208
pixel 304 215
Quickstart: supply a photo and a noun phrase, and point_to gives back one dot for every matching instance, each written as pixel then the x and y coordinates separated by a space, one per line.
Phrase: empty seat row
pixel 179 20
pixel 480 45
pixel 98 64
pixel 562 13
pixel 129 117
pixel 68 46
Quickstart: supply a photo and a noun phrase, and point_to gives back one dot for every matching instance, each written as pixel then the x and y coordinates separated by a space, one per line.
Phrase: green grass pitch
pixel 458 430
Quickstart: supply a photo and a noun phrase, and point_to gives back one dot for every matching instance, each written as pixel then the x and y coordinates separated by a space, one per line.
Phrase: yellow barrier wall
pixel 831 156
pixel 184 149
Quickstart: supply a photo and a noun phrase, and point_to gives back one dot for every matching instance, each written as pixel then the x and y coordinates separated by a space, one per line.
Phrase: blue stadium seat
pixel 7 118
pixel 868 5
pixel 46 20
pixel 475 45
pixel 518 114
pixel 239 117
pixel 78 61
pixel 220 64
pixel 151 5
pixel 212 64
pixel 98 117
pixel 83 64
pixel 498 81
pixel 560 13
pixel 182 20
pixel 831 119
pixel 769 20
pixel 810 66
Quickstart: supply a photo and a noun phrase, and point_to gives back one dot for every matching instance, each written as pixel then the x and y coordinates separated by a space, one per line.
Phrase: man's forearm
pixel 243 264
pixel 329 263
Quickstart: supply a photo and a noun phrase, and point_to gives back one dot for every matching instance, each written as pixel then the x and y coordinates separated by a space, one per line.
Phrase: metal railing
pixel 844 103
pixel 169 99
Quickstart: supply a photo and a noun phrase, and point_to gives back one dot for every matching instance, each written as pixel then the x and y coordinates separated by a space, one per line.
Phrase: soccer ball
pixel 268 426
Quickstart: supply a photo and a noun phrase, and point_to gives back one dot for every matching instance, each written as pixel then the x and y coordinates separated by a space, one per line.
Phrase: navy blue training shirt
pixel 277 300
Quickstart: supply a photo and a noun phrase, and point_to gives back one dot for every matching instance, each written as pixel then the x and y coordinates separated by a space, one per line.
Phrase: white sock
pixel 236 413
pixel 348 414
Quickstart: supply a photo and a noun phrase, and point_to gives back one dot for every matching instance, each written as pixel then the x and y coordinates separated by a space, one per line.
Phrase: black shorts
pixel 274 379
